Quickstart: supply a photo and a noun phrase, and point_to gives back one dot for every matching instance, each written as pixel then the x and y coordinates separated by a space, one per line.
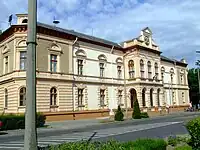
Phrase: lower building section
pixel 62 100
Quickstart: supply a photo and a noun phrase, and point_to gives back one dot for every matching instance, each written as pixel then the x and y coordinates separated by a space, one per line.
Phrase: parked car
pixel 1 124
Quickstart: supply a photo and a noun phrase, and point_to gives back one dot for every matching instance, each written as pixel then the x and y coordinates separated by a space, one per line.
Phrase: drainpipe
pixel 73 80
pixel 111 51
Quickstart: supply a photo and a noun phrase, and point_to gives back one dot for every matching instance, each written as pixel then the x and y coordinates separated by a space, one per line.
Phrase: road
pixel 157 127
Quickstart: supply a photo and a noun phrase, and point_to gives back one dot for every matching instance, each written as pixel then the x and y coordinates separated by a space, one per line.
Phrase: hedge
pixel 16 121
pixel 144 115
pixel 119 116
pixel 193 127
pixel 140 144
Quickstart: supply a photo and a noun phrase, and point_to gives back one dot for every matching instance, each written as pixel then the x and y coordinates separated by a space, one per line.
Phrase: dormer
pixel 22 18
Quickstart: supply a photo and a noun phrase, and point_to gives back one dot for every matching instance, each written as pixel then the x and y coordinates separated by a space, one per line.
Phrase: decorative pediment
pixel 80 52
pixel 5 49
pixel 81 86
pixel 102 57
pixel 55 47
pixel 119 60
pixel 22 43
pixel 120 88
pixel 147 30
pixel 103 87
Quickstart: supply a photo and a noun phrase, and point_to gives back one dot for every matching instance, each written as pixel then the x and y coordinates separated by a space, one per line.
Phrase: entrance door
pixel 133 96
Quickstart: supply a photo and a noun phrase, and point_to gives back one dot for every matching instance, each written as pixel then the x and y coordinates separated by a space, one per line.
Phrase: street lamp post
pixel 30 138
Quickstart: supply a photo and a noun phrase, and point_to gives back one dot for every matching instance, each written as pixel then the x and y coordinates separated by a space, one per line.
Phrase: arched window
pixel 53 96
pixel 156 69
pixel 102 61
pixel 162 73
pixel 151 97
pixel 158 97
pixel 142 68
pixel 149 70
pixel 131 69
pixel 143 97
pixel 6 98
pixel 22 96
pixel 172 74
pixel 25 21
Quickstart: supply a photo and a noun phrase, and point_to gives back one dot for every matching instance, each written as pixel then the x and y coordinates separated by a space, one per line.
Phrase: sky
pixel 175 23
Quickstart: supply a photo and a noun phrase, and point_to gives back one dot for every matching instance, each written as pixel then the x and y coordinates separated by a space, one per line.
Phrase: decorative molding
pixel 6 49
pixel 22 43
pixel 80 86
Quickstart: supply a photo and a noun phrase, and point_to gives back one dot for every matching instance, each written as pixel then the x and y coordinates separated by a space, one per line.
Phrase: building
pixel 83 76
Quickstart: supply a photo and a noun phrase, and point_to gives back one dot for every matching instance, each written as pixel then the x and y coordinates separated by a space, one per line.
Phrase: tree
pixel 193 85
pixel 136 110
pixel 0 31
pixel 119 116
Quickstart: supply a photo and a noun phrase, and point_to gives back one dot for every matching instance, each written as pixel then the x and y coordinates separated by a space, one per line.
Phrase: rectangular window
pixel 119 97
pixel 22 60
pixel 102 97
pixel 101 65
pixel 80 67
pixel 119 71
pixel 80 97
pixel 53 63
pixel 6 98
pixel 6 64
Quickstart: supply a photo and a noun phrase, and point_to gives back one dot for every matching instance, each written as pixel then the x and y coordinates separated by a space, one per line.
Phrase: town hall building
pixel 78 75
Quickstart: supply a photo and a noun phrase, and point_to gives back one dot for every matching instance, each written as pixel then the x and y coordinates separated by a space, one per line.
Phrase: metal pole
pixel 125 96
pixel 30 138
pixel 199 84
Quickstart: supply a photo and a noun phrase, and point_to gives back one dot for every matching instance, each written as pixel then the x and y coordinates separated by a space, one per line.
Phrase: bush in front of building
pixel 140 144
pixel 136 110
pixel 193 127
pixel 17 121
pixel 144 115
pixel 119 116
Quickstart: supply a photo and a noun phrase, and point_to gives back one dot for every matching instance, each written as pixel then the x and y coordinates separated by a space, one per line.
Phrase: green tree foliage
pixel 193 85
pixel 193 80
pixel 136 110
pixel 119 116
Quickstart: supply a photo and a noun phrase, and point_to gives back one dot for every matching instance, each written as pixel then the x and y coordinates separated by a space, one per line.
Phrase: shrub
pixel 141 144
pixel 173 141
pixel 16 121
pixel 193 127
pixel 119 116
pixel 150 144
pixel 183 147
pixel 136 110
pixel 144 115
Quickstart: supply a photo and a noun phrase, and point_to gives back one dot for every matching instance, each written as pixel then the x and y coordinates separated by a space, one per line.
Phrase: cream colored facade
pixel 76 72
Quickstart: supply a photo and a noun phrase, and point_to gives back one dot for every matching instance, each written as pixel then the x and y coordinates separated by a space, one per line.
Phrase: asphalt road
pixel 123 131
pixel 159 132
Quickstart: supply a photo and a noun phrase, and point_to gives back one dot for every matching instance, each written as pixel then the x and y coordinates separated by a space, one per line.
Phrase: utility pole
pixel 30 138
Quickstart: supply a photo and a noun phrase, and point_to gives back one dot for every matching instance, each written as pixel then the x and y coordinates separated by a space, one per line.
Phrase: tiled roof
pixel 171 60
pixel 79 35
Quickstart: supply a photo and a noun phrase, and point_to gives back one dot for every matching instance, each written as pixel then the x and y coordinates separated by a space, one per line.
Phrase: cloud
pixel 175 24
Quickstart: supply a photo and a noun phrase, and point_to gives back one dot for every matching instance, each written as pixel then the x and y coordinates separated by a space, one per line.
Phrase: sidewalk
pixel 89 123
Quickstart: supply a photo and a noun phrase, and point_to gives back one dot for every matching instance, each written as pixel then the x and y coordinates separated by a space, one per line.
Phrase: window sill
pixel 81 105
pixel 121 104
pixel 53 106
pixel 21 107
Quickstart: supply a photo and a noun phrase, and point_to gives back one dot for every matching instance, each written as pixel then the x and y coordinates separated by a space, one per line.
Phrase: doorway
pixel 133 96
